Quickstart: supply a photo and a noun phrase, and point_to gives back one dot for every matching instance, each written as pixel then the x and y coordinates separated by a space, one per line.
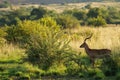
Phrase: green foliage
pixel 18 73
pixel 22 31
pixel 37 13
pixel 80 14
pixel 12 17
pixel 72 68
pixel 2 36
pixel 109 67
pixel 67 21
pixel 24 77
pixel 99 75
pixel 51 13
pixel 94 12
pixel 49 22
pixel 99 21
pixel 88 6
pixel 44 41
pixel 47 48
pixel 113 15
pixel 2 33
pixel 118 76
pixel 4 4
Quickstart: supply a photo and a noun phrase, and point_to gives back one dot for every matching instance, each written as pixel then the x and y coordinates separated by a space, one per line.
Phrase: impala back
pixel 99 53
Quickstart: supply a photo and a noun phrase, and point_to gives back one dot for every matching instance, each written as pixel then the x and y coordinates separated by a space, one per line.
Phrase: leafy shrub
pixel 2 36
pixel 18 73
pixel 99 75
pixel 113 16
pixel 48 21
pixel 4 4
pixel 88 6
pixel 72 68
pixel 99 21
pixel 24 77
pixel 37 13
pixel 45 44
pixel 80 14
pixel 67 21
pixel 94 12
pixel 47 48
pixel 109 67
pixel 118 76
pixel 22 31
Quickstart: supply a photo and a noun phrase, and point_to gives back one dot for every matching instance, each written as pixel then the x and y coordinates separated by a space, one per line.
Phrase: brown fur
pixel 95 53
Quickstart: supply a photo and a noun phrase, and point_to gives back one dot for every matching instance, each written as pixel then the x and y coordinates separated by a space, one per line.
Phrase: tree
pixel 88 6
pixel 80 14
pixel 37 13
pixel 4 4
pixel 99 21
pixel 94 12
pixel 113 15
pixel 67 21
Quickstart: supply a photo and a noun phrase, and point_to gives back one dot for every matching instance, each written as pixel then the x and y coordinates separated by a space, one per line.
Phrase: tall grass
pixel 11 52
pixel 103 37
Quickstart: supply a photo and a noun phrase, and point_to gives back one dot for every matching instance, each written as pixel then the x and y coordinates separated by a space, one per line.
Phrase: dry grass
pixel 59 8
pixel 11 52
pixel 103 37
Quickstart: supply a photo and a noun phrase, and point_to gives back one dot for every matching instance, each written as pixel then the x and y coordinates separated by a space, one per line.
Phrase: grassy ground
pixel 12 64
pixel 59 8
pixel 103 37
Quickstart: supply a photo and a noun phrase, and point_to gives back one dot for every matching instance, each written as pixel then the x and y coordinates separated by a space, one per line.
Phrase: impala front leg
pixel 93 62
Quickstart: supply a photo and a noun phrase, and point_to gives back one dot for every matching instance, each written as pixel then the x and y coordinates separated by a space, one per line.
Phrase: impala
pixel 95 53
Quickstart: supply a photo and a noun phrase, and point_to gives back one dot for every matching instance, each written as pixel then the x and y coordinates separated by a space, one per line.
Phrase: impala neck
pixel 87 49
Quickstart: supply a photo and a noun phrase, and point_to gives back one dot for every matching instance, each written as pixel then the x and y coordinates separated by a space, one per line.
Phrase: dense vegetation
pixel 70 18
pixel 36 43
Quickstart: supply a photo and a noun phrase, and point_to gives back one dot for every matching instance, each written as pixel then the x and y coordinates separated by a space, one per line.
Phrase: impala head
pixel 84 43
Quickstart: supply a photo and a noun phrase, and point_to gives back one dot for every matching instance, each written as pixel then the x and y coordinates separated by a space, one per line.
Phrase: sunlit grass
pixel 103 37
pixel 11 52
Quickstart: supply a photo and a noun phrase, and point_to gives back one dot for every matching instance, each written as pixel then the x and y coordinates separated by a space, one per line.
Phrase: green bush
pixel 24 77
pixel 37 13
pixel 43 40
pixel 18 73
pixel 2 36
pixel 4 4
pixel 67 21
pixel 118 76
pixel 47 48
pixel 113 15
pixel 99 21
pixel 99 75
pixel 94 12
pixel 49 22
pixel 72 68
pixel 21 32
pixel 80 14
